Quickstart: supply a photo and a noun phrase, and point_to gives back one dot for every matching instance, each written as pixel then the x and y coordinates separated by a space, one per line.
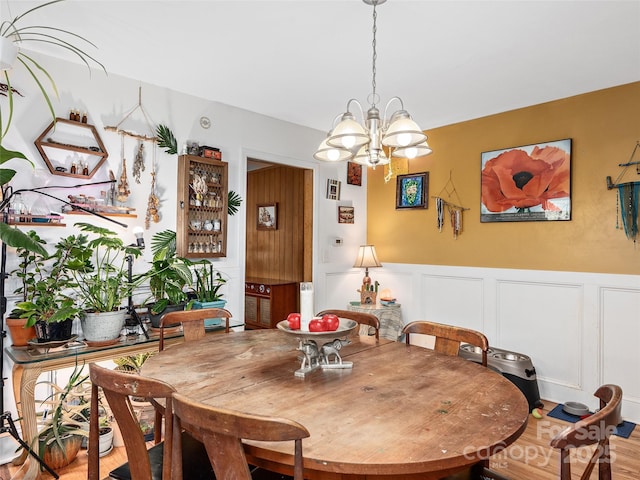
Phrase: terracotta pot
pixel 19 334
pixel 56 457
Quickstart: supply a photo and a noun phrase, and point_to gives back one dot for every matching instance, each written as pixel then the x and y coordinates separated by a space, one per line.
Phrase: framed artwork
pixel 527 183
pixel 411 190
pixel 345 214
pixel 267 216
pixel 354 174
pixel 333 189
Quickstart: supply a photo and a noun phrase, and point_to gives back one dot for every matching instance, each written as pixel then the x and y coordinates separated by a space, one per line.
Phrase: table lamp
pixel 367 258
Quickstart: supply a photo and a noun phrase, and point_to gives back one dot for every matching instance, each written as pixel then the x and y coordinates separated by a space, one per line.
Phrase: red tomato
pixel 331 321
pixel 294 321
pixel 317 325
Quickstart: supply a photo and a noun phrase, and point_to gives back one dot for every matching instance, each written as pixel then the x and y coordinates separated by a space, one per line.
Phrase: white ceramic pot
pixel 8 53
pixel 102 327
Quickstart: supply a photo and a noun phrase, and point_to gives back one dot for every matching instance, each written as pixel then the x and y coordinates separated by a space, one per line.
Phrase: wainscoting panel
pixel 530 310
pixel 620 358
pixel 453 300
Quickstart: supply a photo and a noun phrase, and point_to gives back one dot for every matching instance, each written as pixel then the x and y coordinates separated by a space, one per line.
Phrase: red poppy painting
pixel 529 183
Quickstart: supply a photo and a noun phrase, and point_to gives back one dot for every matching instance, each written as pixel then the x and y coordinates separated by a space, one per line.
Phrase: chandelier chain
pixel 375 55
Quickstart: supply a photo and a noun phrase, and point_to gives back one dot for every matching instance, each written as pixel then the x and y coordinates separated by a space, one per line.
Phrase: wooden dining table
pixel 401 411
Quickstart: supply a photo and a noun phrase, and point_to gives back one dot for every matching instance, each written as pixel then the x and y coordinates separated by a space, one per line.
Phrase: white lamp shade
pixel 403 131
pixel 331 154
pixel 348 134
pixel 364 158
pixel 419 150
pixel 367 257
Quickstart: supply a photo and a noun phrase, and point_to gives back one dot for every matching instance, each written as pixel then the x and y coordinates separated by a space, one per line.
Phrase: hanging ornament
pixel 153 203
pixel 440 211
pixel 138 162
pixel 123 184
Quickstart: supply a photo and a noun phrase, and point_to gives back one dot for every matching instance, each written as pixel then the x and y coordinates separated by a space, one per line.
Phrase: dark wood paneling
pixel 278 254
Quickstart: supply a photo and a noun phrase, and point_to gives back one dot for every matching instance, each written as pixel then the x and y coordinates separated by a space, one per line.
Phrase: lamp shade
pixel 419 150
pixel 367 257
pixel 328 153
pixel 364 157
pixel 402 131
pixel 348 134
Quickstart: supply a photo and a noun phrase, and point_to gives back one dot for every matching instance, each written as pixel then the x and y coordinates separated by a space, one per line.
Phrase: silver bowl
pixel 576 408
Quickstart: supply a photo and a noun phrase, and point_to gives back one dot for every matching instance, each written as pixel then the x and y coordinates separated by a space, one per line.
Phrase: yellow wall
pixel 604 127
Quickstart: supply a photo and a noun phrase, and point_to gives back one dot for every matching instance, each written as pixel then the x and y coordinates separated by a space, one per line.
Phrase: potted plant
pixel 101 282
pixel 65 425
pixel 169 276
pixel 45 282
pixel 207 292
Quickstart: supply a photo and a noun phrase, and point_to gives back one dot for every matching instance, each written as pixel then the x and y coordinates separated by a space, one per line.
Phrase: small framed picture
pixel 267 216
pixel 354 174
pixel 412 190
pixel 333 189
pixel 345 214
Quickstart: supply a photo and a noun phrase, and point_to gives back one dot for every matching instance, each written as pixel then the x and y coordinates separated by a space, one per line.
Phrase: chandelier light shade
pixel 364 142
pixel 328 153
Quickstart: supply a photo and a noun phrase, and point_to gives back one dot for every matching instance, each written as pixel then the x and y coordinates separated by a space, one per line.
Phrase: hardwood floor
pixel 530 458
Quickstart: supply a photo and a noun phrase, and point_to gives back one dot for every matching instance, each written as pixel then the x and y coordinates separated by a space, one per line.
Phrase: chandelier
pixel 363 143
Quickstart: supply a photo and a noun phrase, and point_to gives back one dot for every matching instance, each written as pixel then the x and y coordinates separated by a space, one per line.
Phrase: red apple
pixel 294 321
pixel 332 322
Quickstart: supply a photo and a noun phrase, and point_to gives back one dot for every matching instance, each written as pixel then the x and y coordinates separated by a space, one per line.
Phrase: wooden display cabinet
pixel 267 302
pixel 202 207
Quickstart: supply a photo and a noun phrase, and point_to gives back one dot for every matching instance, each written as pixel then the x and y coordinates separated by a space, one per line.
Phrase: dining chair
pixel 596 428
pixel 192 322
pixel 448 337
pixel 360 317
pixel 192 329
pixel 222 432
pixel 152 464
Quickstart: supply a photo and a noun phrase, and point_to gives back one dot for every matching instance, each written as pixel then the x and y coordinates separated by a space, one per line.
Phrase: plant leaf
pixel 16 238
pixel 233 203
pixel 166 140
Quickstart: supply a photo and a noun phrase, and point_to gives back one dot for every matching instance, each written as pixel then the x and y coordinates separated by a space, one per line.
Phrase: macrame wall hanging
pixel 454 211
pixel 627 198
pixel 153 203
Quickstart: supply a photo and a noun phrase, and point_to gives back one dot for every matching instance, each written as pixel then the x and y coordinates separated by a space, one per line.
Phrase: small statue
pixel 311 355
pixel 332 348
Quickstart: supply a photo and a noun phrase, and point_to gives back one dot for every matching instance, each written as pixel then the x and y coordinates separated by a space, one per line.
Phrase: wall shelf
pixel 67 142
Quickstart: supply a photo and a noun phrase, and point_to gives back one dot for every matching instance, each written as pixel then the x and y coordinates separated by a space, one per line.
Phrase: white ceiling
pixel 301 60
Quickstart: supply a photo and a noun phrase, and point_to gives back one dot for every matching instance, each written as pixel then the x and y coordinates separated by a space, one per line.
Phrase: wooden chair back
pixel 192 322
pixel 596 428
pixel 360 317
pixel 448 337
pixel 117 387
pixel 222 432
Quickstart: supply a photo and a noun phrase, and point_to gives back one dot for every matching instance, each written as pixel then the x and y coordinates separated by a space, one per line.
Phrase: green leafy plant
pixel 132 363
pixel 44 282
pixel 169 274
pixel 19 34
pixel 99 268
pixel 208 282
pixel 233 203
pixel 166 140
pixel 65 416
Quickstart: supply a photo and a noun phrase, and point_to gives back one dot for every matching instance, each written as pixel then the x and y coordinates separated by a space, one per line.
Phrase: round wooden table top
pixel 401 410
